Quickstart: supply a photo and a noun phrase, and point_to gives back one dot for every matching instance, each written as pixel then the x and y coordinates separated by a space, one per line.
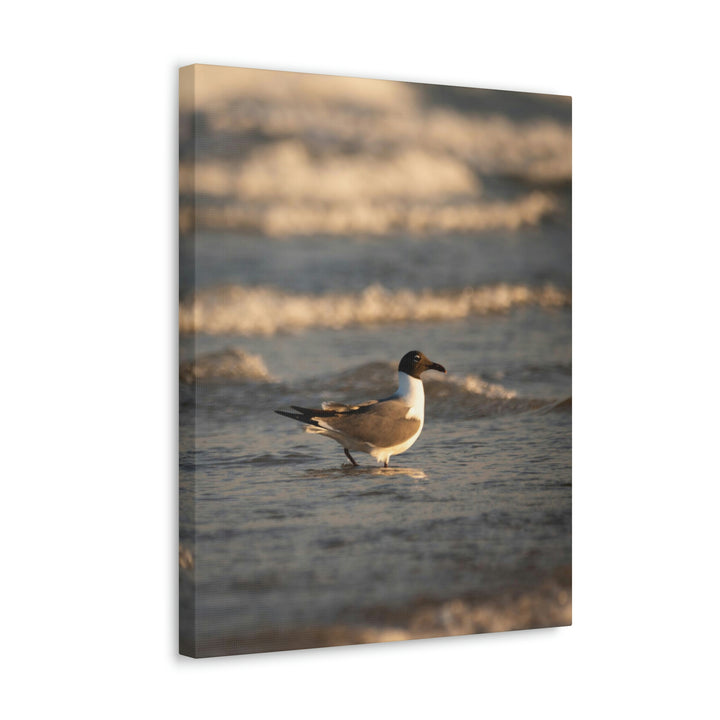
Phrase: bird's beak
pixel 438 367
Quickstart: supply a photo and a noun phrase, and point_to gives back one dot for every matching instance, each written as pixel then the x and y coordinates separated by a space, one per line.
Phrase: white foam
pixel 477 386
pixel 265 311
pixel 329 155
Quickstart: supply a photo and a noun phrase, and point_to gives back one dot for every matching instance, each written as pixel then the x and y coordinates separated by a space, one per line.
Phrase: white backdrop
pixel 89 368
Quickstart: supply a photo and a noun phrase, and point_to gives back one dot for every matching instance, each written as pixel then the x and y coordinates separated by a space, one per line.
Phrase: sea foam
pixel 289 154
pixel 262 310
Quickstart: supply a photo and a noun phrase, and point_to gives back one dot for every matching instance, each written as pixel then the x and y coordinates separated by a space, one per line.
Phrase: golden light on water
pixel 300 154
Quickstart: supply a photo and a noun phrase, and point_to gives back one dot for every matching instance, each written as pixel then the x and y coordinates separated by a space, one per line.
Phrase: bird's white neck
pixel 411 391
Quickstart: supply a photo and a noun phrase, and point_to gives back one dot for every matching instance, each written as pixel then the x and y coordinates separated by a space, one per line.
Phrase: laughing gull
pixel 381 428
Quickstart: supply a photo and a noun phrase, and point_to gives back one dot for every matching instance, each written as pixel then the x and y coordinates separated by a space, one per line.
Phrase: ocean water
pixel 320 249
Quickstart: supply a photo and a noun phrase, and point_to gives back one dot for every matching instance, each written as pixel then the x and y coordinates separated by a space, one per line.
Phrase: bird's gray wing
pixel 382 424
pixel 341 407
pixel 310 416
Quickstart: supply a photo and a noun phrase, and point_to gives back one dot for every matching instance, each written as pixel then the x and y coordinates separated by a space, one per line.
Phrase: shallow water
pixel 283 543
pixel 288 536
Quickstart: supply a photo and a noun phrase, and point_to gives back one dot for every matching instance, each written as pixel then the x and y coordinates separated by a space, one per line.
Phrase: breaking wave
pixel 287 171
pixel 262 310
pixel 372 379
pixel 282 190
pixel 292 154
pixel 235 364
pixel 377 116
pixel 474 385
pixel 449 393
pixel 285 218
pixel 547 604
pixel 228 364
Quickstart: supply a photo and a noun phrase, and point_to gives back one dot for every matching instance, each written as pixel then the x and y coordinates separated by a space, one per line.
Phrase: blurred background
pixel 286 154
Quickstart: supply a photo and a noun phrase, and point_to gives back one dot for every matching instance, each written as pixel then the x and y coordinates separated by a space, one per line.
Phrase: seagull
pixel 381 428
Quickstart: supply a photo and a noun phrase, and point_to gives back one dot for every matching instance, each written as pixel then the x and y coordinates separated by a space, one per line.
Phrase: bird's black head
pixel 415 363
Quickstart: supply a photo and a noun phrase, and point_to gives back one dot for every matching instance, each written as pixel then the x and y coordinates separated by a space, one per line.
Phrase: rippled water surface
pixel 288 536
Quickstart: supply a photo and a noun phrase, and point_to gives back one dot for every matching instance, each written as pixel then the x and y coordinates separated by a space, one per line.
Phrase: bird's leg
pixel 350 457
pixel 386 464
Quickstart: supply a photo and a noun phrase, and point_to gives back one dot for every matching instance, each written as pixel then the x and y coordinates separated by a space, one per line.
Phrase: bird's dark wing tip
pixel 294 416
pixel 300 418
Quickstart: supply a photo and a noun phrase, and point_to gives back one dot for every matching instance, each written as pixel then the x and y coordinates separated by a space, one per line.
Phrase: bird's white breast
pixel 411 392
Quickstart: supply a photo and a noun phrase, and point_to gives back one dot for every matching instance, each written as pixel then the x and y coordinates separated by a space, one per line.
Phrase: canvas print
pixel 375 361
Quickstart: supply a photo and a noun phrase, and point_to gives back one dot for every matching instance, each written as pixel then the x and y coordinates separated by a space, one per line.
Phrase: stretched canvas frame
pixel 327 226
